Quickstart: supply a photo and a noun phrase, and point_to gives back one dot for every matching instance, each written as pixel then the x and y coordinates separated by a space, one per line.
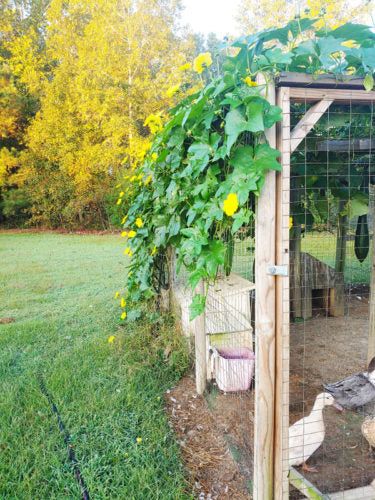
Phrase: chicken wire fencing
pixel 331 303
pixel 229 356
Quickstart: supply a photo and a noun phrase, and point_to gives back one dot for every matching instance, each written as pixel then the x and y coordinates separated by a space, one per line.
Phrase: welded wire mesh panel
pixel 331 227
pixel 228 356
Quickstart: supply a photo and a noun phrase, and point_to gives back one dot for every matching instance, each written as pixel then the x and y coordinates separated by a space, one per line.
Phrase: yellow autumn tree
pixel 21 64
pixel 255 15
pixel 115 62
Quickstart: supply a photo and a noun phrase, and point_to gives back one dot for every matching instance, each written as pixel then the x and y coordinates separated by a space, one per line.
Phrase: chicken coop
pixel 297 309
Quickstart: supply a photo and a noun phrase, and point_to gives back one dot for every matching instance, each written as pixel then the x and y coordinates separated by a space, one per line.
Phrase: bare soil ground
pixel 216 432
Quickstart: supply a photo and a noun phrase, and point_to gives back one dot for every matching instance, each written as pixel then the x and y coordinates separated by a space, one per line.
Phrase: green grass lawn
pixel 59 289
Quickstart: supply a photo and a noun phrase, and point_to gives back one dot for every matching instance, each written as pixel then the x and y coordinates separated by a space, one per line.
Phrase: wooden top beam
pixel 339 95
pixel 294 79
pixel 339 145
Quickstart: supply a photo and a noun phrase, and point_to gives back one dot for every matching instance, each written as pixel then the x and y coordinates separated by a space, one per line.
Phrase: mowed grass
pixel 59 289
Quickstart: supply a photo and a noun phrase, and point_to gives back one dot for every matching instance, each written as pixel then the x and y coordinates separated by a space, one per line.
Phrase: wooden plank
pixel 295 79
pixel 307 122
pixel 200 347
pixel 305 487
pixel 341 95
pixel 265 330
pixel 347 145
pixel 281 469
pixel 371 333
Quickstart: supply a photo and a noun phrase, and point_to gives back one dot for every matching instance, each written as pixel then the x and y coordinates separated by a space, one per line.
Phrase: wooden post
pixel 265 329
pixel 281 441
pixel 371 333
pixel 199 325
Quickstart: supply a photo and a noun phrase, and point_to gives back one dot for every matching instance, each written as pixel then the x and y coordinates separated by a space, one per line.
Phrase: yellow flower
pixel 172 90
pixel 154 156
pixel 124 233
pixel 128 251
pixel 154 250
pixel 139 440
pixel 185 67
pixel 202 62
pixel 123 315
pixel 133 178
pixel 154 123
pixel 139 222
pixel 117 295
pixel 123 302
pixel 119 201
pixel 350 43
pixel 230 204
pixel 121 194
pixel 111 339
pixel 250 82
pixel 124 219
pixel 131 234
pixel 148 180
pixel 290 222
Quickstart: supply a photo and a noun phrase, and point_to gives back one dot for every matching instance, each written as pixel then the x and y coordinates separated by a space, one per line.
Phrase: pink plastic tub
pixel 233 368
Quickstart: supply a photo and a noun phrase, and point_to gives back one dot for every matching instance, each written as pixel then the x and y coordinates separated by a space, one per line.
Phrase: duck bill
pixel 338 407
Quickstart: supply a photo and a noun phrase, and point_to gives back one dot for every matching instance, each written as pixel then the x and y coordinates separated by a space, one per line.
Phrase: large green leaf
pixel 242 158
pixel 197 306
pixel 265 158
pixel 277 56
pixel 254 112
pixel 196 276
pixel 351 31
pixel 214 256
pixel 272 115
pixel 199 156
pixel 235 124
pixel 368 58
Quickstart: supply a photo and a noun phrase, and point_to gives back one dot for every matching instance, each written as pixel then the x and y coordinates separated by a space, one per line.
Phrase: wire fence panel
pixel 332 172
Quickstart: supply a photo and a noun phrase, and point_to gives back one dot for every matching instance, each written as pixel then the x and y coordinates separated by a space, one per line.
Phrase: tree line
pixel 78 80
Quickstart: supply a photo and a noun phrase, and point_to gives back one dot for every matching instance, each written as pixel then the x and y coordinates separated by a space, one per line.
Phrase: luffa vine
pixel 211 156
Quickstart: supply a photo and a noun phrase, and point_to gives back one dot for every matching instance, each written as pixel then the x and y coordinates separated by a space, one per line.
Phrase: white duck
pixel 368 432
pixel 307 434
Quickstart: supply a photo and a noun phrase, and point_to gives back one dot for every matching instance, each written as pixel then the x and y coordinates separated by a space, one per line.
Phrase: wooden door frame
pixel 287 141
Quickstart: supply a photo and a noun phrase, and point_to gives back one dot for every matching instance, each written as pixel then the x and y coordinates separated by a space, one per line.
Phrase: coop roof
pixel 327 81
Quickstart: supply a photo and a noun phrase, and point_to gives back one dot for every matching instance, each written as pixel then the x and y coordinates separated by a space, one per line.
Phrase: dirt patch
pixel 217 432
pixel 213 472
pixel 5 321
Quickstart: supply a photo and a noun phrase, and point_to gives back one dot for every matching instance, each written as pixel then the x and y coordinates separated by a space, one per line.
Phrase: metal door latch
pixel 277 270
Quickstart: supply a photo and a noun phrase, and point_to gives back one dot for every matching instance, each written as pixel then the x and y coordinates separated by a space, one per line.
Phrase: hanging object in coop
pixel 232 367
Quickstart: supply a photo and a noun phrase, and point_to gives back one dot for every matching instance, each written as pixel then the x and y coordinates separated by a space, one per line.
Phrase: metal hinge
pixel 277 270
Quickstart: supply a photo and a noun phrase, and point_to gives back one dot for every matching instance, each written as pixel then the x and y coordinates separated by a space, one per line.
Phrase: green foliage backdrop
pixel 211 157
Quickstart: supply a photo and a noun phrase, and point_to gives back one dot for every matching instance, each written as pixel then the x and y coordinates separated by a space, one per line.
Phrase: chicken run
pixel 285 349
